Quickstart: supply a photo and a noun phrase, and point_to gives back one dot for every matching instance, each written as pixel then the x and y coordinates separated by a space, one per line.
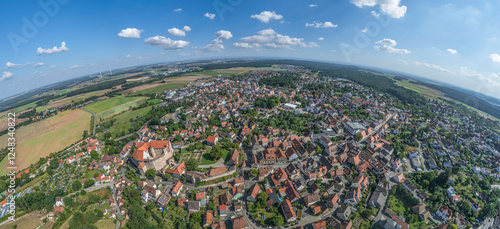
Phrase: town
pixel 280 148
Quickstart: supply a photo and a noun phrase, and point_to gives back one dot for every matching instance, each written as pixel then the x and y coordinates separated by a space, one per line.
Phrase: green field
pixel 105 224
pixel 425 91
pixel 123 119
pixel 161 88
pixel 154 101
pixel 109 103
pixel 118 109
pixel 206 159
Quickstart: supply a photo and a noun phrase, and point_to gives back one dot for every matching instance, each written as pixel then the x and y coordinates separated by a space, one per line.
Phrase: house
pixel 377 199
pixel 253 192
pixel 178 171
pixel 177 189
pixel 59 202
pixel 234 157
pixel 163 200
pixel 208 219
pixel 343 212
pixel 311 199
pixel 353 196
pixel 239 223
pixel 212 140
pixel 332 200
pixel 200 196
pixel 444 213
pixel 222 210
pixel 399 178
pixel 286 207
pixel 194 206
pixel 216 171
pixel 396 222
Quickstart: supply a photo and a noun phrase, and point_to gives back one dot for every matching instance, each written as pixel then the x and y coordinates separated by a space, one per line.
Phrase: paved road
pixel 487 223
pixel 377 128
pixel 495 187
pixel 95 119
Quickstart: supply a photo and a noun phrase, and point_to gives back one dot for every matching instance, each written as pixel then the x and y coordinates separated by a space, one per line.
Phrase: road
pixel 487 223
pixel 377 128
pixel 495 187
pixel 95 119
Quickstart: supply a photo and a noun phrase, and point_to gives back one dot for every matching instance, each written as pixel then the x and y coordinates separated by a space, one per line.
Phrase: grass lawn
pixel 26 221
pixel 161 88
pixel 154 101
pixel 91 173
pixel 47 136
pixel 105 224
pixel 109 103
pixel 206 159
pixel 396 205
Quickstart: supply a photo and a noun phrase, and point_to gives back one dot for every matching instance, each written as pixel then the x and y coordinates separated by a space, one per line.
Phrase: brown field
pixel 236 70
pixel 3 122
pixel 25 221
pixel 138 79
pixel 48 136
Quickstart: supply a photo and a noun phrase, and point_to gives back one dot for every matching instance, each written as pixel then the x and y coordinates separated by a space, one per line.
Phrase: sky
pixel 48 41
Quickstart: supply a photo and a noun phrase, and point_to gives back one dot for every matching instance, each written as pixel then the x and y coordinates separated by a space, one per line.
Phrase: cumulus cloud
pixel 389 7
pixel 128 56
pixel 130 33
pixel 179 32
pixel 313 5
pixel 325 24
pixel 52 66
pixel 224 34
pixel 178 10
pixel 495 57
pixel 6 75
pixel 209 16
pixel 266 16
pixel 166 43
pixel 269 39
pixel 54 49
pixel 387 41
pixel 452 51
pixel 11 65
pixel 214 46
pixel 434 67
pixel 387 45
pixel 364 30
pixel 320 38
pixel 38 64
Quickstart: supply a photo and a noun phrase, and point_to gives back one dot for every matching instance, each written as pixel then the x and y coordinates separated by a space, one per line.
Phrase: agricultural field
pixel 105 224
pixel 104 105
pixel 123 119
pixel 123 107
pixel 161 88
pixel 76 98
pixel 425 91
pixel 50 135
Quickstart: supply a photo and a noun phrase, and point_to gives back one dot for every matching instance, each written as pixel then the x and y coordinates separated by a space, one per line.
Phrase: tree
pixel 94 155
pixel 168 176
pixel 76 186
pixel 359 136
pixel 151 173
pixel 192 164
pixel 216 153
pixel 88 183
pixel 278 220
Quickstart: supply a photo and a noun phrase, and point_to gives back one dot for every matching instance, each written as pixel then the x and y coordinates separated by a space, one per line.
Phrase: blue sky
pixel 457 41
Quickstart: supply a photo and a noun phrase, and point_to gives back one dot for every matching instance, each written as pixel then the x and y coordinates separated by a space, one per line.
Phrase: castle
pixel 152 155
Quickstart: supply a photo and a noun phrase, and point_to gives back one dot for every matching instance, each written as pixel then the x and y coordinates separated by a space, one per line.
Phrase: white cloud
pixel 452 51
pixel 74 66
pixel 266 16
pixel 387 45
pixel 52 66
pixel 434 67
pixel 364 30
pixel 38 64
pixel 6 75
pixel 130 33
pixel 54 49
pixel 179 32
pixel 387 41
pixel 269 39
pixel 375 14
pixel 178 10
pixel 495 57
pixel 389 7
pixel 214 46
pixel 313 5
pixel 128 56
pixel 320 38
pixel 166 43
pixel 325 24
pixel 11 65
pixel 209 16
pixel 403 61
pixel 224 34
